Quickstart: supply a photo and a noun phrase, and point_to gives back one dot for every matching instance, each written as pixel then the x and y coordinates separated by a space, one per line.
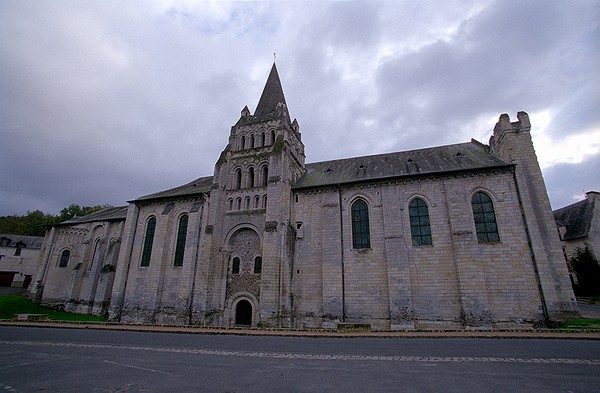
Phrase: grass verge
pixel 15 304
pixel 581 324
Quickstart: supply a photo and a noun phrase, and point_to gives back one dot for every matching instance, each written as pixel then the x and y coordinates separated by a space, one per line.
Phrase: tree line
pixel 35 223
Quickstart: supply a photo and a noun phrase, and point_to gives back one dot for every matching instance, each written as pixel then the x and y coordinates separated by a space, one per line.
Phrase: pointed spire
pixel 271 95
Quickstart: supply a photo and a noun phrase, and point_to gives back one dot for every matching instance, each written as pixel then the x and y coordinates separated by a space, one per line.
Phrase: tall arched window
pixel 148 240
pixel 272 136
pixel 257 265
pixel 420 229
pixel 230 203
pixel 262 139
pixel 235 266
pixel 181 236
pixel 238 204
pixel 247 204
pixel 252 141
pixel 238 179
pixel 251 177
pixel 265 201
pixel 96 254
pixel 265 175
pixel 361 237
pixel 64 258
pixel 485 218
pixel 256 202
pixel 243 143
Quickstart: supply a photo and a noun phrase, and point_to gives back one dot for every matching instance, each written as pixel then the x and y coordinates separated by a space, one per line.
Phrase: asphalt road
pixel 75 360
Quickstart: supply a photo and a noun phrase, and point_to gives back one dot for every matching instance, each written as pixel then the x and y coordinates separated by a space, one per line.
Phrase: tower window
pixel 238 179
pixel 485 218
pixel 251 177
pixel 265 175
pixel 235 266
pixel 257 265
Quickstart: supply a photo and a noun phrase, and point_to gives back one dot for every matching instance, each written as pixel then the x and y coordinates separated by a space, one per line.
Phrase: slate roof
pixel 577 218
pixel 108 214
pixel 444 159
pixel 202 185
pixel 29 241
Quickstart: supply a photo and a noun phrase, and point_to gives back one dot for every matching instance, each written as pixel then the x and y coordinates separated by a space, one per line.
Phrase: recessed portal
pixel 243 313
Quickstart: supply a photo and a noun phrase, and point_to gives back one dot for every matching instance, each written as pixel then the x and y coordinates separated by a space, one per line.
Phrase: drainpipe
pixel 342 255
pixel 531 252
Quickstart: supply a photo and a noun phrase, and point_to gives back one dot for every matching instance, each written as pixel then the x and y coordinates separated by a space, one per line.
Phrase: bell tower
pixel 251 199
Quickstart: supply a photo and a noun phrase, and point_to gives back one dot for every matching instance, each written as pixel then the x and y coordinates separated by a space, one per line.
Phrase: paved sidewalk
pixel 544 334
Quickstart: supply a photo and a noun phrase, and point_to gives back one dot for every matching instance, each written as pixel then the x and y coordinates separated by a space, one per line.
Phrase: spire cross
pixel 274 57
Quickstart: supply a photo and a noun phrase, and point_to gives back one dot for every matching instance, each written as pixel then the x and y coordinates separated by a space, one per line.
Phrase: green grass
pixel 581 324
pixel 14 304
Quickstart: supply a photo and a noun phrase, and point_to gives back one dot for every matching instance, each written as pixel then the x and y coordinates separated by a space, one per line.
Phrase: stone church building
pixel 451 237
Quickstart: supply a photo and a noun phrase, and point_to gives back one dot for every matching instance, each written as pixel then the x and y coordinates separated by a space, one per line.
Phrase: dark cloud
pixel 105 102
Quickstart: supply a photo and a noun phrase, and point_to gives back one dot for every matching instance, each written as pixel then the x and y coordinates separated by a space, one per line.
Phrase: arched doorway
pixel 243 313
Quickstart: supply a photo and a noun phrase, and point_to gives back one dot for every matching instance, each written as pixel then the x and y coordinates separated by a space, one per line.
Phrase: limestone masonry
pixel 452 237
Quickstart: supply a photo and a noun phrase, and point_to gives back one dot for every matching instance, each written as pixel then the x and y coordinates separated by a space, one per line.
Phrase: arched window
pixel 257 265
pixel 96 254
pixel 64 258
pixel 485 218
pixel 181 236
pixel 420 228
pixel 148 240
pixel 252 141
pixel 251 177
pixel 247 203
pixel 238 203
pixel 230 203
pixel 256 202
pixel 262 139
pixel 272 136
pixel 265 175
pixel 235 266
pixel 238 179
pixel 243 144
pixel 265 201
pixel 361 237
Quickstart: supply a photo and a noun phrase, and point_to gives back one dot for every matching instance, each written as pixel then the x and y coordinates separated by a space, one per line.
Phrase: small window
pixel 247 203
pixel 272 136
pixel 265 201
pixel 238 179
pixel 265 175
pixel 181 237
pixel 251 177
pixel 235 266
pixel 257 265
pixel 148 240
pixel 238 204
pixel 485 218
pixel 262 139
pixel 361 237
pixel 243 144
pixel 230 204
pixel 252 141
pixel 64 258
pixel 256 202
pixel 420 229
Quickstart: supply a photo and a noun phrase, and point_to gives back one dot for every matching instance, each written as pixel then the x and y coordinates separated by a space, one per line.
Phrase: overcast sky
pixel 103 102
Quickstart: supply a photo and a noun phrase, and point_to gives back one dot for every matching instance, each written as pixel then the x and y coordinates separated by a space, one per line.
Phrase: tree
pixel 34 223
pixel 586 267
